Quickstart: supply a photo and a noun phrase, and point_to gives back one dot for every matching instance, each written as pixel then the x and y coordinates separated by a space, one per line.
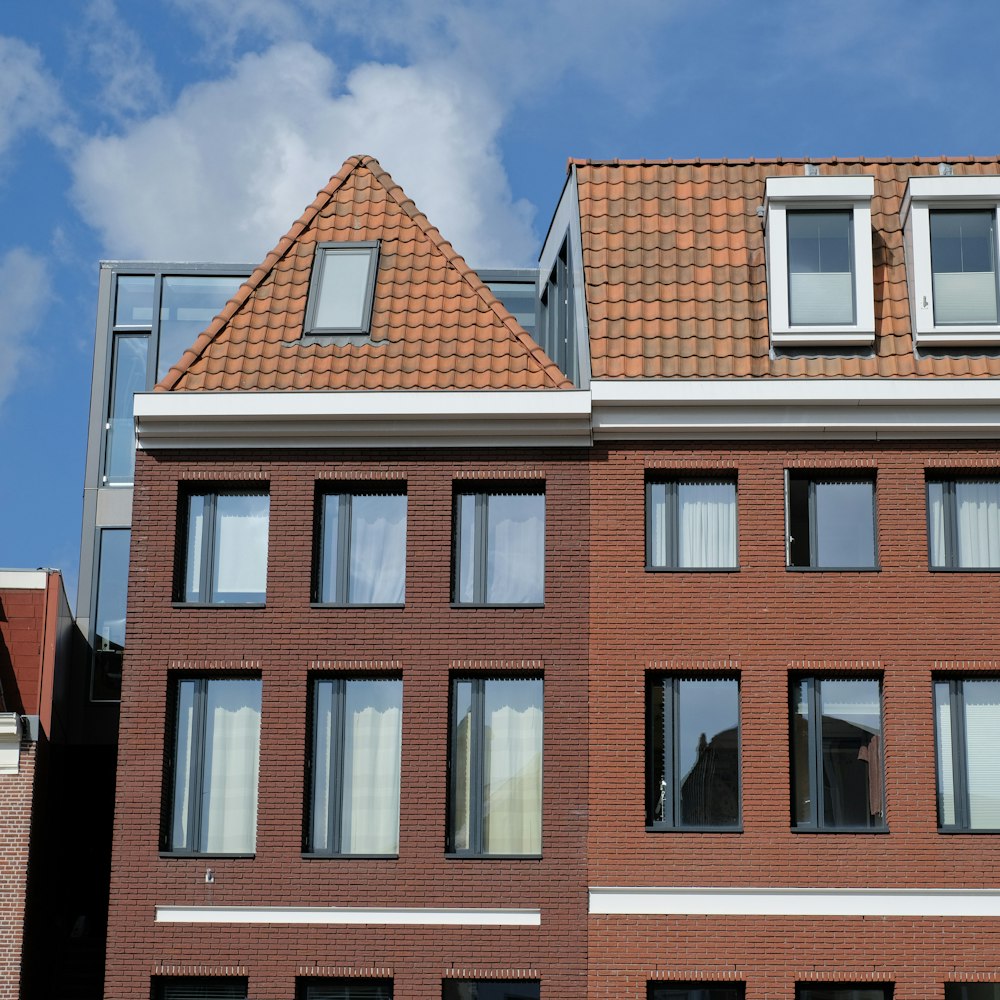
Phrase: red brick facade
pixel 17 793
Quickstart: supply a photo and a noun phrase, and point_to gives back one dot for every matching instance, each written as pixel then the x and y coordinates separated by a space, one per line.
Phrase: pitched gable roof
pixel 675 275
pixel 434 325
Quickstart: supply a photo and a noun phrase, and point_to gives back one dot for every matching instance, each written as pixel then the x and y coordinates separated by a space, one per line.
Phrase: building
pixel 648 656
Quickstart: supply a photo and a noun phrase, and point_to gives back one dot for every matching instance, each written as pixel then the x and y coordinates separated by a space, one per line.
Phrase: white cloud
pixel 223 173
pixel 24 290
pixel 29 98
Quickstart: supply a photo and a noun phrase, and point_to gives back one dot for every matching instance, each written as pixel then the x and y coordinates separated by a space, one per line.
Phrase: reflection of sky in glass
pixel 844 519
pixel 187 306
pixel 706 707
pixel 853 701
pixel 111 587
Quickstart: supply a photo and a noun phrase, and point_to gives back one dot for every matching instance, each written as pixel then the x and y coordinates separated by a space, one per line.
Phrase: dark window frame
pixel 347 491
pixel 482 490
pixel 320 256
pixel 653 679
pixel 816 784
pixel 211 491
pixel 337 762
pixel 477 784
pixel 694 986
pixel 159 984
pixel 959 753
pixel 673 518
pixel 852 254
pixel 949 479
pixel 831 476
pixel 305 986
pixel 885 987
pixel 202 678
pixel 95 589
pixel 536 983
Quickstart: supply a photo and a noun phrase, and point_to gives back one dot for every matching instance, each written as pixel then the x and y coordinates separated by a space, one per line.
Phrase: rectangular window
pixel 837 762
pixel 128 376
pixel 963 518
pixel 695 991
pixel 693 751
pixel 214 765
pixel 831 521
pixel 109 620
pixel 499 547
pixel 843 991
pixel 820 268
pixel 972 991
pixel 341 289
pixel 199 988
pixel 362 547
pixel 967 715
pixel 225 552
pixel 491 989
pixel 964 266
pixel 691 524
pixel 354 766
pixel 344 989
pixel 496 766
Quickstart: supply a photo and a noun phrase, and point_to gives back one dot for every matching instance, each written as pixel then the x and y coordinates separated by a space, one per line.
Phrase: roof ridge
pixel 298 227
pixel 575 161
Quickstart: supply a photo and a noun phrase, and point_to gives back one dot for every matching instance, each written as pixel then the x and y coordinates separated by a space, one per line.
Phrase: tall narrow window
pixel 695 991
pixel 491 989
pixel 214 764
pixel 362 550
pixel 109 623
pixel 499 547
pixel 830 521
pixel 967 715
pixel 496 766
pixel 225 554
pixel 963 518
pixel 691 524
pixel 128 376
pixel 344 989
pixel 820 268
pixel 341 288
pixel 964 266
pixel 837 763
pixel 693 747
pixel 356 741
pixel 199 988
pixel 843 991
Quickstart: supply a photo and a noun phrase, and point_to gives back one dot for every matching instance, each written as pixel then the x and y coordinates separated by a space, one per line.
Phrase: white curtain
pixel 935 502
pixel 232 750
pixel 513 773
pixel 179 833
pixel 241 544
pixel 982 731
pixel 945 762
pixel 658 524
pixel 378 550
pixel 196 527
pixel 820 298
pixel 978 507
pixel 707 525
pixel 515 549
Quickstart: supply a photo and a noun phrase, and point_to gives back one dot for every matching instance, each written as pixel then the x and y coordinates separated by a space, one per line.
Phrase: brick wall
pixel 426 639
pixel 16 795
pixel 22 617
pixel 901 622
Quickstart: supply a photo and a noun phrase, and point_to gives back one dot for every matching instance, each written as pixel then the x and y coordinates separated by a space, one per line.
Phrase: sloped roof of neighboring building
pixel 434 324
pixel 676 287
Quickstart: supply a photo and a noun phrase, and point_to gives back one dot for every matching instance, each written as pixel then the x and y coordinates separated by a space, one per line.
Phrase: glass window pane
pixel 515 539
pixel 977 509
pixel 128 376
pixel 195 544
pixel 184 766
pixel 109 628
pixel 823 992
pixel 660 788
pixel 343 286
pixel 461 767
pixel 188 305
pixel 134 301
pixel 820 268
pixel 330 547
pixel 972 991
pixel 466 556
pixel 659 531
pixel 230 766
pixel 844 525
pixel 707 525
pixel 372 736
pixel 695 991
pixel 520 300
pixel 708 757
pixel 208 988
pixel 240 557
pixel 378 549
pixel 851 752
pixel 348 989
pixel 804 809
pixel 512 767
pixel 945 758
pixel 321 835
pixel 963 261
pixel 491 989
pixel 982 734
pixel 937 524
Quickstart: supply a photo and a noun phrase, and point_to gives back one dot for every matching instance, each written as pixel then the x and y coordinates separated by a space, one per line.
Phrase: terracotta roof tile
pixel 675 279
pixel 435 325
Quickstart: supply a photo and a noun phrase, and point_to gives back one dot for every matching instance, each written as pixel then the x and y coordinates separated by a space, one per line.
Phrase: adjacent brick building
pixel 672 624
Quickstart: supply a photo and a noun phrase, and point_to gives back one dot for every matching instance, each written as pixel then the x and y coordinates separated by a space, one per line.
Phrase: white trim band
pixel 794 902
pixel 22 579
pixel 375 915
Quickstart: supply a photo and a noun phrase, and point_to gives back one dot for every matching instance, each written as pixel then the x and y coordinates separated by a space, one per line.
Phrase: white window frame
pixel 923 195
pixel 802 194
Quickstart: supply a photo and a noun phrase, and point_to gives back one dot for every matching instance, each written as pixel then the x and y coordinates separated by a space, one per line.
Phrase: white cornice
pixel 10 742
pixel 372 915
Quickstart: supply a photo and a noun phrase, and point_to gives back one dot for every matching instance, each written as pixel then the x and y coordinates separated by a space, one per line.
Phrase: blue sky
pixel 199 129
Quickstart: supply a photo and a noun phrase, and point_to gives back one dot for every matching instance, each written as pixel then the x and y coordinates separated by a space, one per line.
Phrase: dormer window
pixel 950 226
pixel 819 260
pixel 341 289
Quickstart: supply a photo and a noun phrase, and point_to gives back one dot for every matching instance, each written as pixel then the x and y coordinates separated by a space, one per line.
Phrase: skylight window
pixel 340 292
